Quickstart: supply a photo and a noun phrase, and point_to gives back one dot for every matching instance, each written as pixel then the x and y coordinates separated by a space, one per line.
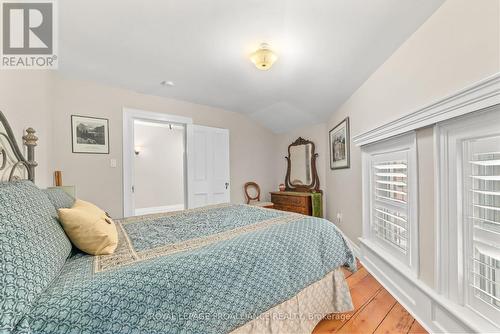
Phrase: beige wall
pixel 159 166
pixel 25 99
pixel 46 101
pixel 319 136
pixel 251 145
pixel 457 46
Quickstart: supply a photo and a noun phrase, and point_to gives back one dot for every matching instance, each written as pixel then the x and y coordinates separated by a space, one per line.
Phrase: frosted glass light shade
pixel 263 58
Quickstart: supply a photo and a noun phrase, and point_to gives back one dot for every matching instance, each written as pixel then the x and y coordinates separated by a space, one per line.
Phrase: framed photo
pixel 340 148
pixel 90 134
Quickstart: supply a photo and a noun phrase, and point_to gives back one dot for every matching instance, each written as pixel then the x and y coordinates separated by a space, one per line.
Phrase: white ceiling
pixel 326 50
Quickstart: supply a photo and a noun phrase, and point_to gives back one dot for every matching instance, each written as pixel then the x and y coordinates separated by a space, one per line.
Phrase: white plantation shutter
pixel 390 222
pixel 481 178
pixel 390 170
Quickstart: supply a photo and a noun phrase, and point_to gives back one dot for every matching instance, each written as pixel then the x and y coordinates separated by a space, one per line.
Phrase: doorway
pixel 171 164
pixel 159 167
pixel 154 162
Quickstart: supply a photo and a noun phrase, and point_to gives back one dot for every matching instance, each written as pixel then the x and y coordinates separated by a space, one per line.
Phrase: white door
pixel 208 165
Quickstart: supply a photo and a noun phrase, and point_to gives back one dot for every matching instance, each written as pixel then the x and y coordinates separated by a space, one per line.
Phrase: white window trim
pixel 477 96
pixel 450 261
pixel 406 142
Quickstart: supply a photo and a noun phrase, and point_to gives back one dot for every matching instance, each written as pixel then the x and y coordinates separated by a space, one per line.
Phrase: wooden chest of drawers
pixel 292 201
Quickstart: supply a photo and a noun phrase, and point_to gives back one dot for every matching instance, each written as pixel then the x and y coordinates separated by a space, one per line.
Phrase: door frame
pixel 129 115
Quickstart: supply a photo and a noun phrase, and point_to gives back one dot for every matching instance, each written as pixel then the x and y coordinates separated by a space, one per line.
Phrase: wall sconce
pixel 137 150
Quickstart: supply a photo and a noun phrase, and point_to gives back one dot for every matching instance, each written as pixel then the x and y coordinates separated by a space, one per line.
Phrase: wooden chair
pixel 255 200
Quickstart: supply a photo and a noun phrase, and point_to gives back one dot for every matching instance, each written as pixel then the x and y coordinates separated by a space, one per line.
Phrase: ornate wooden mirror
pixel 301 173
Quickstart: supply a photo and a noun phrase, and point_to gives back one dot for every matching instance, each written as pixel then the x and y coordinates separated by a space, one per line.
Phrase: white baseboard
pixel 433 311
pixel 158 209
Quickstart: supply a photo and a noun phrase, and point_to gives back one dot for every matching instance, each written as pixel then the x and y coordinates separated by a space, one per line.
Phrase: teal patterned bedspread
pixel 207 270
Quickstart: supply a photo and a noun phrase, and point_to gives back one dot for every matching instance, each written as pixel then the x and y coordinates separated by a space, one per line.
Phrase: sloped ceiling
pixel 326 50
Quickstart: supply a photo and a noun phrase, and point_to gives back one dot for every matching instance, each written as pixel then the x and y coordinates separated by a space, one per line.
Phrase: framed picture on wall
pixel 340 150
pixel 90 134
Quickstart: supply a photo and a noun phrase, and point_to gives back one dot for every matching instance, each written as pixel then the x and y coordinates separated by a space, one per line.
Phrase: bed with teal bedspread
pixel 207 270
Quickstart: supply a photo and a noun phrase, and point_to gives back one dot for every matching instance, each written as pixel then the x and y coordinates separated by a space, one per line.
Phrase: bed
pixel 227 268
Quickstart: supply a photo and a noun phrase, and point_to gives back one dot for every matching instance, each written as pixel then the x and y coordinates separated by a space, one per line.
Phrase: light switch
pixel 112 163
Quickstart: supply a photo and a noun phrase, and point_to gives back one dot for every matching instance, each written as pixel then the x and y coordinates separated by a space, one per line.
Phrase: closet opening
pixel 159 167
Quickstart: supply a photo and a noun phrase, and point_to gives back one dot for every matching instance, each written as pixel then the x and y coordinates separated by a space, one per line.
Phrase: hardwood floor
pixel 375 310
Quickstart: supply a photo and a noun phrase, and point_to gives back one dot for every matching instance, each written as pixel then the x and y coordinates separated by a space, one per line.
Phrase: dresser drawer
pixel 290 200
pixel 296 209
pixel 293 202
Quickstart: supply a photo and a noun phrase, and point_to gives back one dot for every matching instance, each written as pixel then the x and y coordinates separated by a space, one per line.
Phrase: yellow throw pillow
pixel 89 228
pixel 94 209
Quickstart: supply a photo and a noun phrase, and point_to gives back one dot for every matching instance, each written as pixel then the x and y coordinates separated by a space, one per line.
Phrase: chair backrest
pixel 249 197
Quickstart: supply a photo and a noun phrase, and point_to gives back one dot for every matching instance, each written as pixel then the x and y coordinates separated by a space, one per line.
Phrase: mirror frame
pixel 314 186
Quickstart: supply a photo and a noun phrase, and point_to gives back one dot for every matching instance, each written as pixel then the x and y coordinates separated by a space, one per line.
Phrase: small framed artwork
pixel 340 148
pixel 90 134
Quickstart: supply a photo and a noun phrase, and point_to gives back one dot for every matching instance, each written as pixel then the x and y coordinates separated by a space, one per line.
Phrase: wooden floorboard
pixel 417 328
pixel 371 315
pixel 375 310
pixel 353 279
pixel 397 321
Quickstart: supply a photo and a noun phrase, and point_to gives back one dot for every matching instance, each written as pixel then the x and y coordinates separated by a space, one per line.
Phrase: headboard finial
pixel 13 165
pixel 30 140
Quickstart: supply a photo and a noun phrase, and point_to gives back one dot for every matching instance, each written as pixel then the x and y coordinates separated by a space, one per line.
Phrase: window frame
pixel 453 230
pixel 404 145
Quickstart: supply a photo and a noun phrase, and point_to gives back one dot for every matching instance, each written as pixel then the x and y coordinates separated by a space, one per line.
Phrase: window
pixel 469 221
pixel 390 202
pixel 390 209
pixel 481 177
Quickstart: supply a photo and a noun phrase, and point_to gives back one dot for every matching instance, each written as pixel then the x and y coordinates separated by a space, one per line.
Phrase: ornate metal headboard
pixel 13 164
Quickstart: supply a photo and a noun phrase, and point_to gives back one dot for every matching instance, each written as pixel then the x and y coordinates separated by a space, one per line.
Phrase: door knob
pixel 227 184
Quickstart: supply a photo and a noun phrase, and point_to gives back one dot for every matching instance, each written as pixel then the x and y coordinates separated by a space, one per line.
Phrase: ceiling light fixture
pixel 264 57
